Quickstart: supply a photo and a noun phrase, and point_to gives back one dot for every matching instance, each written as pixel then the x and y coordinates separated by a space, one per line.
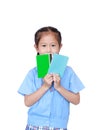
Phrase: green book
pixel 43 63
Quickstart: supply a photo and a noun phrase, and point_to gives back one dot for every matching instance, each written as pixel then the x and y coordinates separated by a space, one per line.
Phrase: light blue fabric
pixel 52 109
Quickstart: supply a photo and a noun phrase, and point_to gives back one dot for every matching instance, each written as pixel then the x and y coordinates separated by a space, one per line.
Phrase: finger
pixel 49 75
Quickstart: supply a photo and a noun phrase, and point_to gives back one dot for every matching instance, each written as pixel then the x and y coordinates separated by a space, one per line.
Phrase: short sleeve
pixel 27 85
pixel 76 84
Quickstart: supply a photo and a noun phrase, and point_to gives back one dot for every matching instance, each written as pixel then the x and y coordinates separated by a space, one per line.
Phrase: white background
pixel 77 21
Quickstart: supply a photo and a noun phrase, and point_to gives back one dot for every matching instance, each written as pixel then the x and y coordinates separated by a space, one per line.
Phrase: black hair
pixel 39 33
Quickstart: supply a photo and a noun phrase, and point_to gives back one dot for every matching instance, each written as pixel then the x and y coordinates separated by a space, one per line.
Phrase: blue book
pixel 58 64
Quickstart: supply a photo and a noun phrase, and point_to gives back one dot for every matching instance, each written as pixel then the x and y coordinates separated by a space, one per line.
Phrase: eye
pixel 43 45
pixel 53 45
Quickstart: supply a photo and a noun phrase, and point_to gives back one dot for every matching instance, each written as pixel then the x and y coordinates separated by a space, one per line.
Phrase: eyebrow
pixel 47 43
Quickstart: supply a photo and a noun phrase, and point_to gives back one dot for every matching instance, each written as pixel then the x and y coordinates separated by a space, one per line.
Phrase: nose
pixel 48 49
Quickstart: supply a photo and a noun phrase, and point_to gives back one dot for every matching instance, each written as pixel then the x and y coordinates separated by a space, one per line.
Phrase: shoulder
pixel 69 69
pixel 69 72
pixel 32 72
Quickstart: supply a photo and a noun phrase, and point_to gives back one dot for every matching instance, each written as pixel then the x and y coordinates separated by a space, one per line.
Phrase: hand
pixel 56 79
pixel 48 79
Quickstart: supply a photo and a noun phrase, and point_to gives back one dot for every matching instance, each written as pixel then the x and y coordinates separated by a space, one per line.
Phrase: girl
pixel 49 98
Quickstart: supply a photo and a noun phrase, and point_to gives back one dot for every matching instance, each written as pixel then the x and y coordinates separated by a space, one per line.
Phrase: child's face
pixel 48 44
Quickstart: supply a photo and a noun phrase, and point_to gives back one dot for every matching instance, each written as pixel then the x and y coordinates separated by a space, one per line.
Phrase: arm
pixel 70 96
pixel 29 100
pixel 34 97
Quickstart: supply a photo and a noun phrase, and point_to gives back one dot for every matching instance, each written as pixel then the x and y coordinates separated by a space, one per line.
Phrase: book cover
pixel 58 64
pixel 43 63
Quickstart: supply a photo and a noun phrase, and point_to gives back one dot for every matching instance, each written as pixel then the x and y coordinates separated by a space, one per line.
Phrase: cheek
pixel 42 51
pixel 55 50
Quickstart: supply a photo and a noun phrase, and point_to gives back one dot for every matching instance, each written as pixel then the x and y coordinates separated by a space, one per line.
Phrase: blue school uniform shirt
pixel 52 109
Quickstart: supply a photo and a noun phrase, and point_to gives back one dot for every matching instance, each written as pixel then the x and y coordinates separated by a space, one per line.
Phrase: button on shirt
pixel 52 109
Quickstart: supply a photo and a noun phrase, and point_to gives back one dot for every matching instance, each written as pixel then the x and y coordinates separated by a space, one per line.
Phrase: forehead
pixel 48 36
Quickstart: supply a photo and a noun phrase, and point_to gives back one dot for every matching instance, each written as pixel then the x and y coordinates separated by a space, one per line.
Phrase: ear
pixel 61 45
pixel 36 47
